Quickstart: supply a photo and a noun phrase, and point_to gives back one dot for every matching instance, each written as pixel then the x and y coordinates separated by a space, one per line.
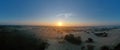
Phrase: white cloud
pixel 64 15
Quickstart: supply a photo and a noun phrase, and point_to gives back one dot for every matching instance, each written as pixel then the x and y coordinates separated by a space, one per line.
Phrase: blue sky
pixel 77 12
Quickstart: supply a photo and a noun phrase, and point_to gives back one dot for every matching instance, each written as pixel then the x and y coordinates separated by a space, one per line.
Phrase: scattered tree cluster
pixel 74 40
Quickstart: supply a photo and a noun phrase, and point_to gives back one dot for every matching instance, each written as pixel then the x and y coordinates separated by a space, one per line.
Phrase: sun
pixel 60 23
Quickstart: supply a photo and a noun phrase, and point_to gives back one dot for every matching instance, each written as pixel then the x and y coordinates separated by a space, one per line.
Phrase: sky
pixel 69 12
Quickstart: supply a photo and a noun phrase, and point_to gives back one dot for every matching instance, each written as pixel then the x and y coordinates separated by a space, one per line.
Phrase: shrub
pixel 74 40
pixel 104 48
pixel 117 47
pixel 90 40
pixel 90 47
pixel 101 34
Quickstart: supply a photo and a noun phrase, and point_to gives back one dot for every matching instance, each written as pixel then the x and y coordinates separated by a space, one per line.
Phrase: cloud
pixel 64 15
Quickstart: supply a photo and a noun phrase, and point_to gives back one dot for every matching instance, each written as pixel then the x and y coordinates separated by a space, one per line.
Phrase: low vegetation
pixel 103 34
pixel 74 40
pixel 90 47
pixel 104 48
pixel 117 47
pixel 89 40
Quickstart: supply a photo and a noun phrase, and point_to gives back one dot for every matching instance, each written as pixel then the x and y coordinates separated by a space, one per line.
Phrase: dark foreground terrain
pixel 59 38
pixel 12 38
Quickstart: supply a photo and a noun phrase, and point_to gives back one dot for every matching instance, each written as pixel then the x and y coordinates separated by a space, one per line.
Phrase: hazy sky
pixel 70 12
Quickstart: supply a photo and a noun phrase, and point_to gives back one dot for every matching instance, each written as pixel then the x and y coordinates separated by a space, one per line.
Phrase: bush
pixel 90 40
pixel 117 47
pixel 90 47
pixel 82 48
pixel 104 48
pixel 101 34
pixel 74 40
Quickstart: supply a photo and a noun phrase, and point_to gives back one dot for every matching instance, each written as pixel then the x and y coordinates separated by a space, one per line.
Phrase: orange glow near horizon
pixel 59 23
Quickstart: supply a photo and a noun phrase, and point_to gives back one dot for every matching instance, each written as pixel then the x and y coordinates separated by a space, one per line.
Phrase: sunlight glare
pixel 60 24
